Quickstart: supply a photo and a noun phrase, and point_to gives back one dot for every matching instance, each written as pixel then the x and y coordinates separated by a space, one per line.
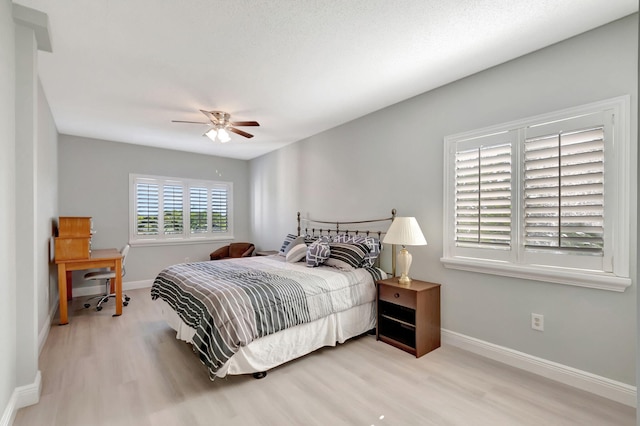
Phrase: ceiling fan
pixel 220 125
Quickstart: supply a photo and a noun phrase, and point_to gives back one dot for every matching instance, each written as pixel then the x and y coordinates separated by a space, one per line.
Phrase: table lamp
pixel 406 232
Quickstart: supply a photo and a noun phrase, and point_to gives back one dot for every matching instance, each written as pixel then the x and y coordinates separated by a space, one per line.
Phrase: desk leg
pixel 62 293
pixel 69 285
pixel 118 281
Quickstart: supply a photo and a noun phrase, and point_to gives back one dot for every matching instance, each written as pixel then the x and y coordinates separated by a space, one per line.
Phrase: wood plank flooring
pixel 131 370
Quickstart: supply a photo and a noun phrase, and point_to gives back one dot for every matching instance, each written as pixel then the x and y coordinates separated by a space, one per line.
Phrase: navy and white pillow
pixel 372 242
pixel 310 239
pixel 286 243
pixel 318 252
pixel 346 256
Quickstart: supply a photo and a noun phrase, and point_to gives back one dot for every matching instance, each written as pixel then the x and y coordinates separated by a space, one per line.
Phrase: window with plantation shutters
pixel 564 190
pixel 483 196
pixel 147 208
pixel 172 206
pixel 543 198
pixel 170 210
pixel 219 209
pixel 199 209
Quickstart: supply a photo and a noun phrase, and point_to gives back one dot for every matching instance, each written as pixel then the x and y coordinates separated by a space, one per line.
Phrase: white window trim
pixel 187 237
pixel 617 280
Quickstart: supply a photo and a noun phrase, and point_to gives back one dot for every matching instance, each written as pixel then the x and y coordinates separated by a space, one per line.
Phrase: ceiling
pixel 122 70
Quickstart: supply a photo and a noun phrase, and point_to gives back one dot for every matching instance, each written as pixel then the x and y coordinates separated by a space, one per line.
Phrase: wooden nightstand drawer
pixel 398 296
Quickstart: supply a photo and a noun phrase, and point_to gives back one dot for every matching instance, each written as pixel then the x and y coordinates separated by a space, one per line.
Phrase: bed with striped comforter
pixel 232 302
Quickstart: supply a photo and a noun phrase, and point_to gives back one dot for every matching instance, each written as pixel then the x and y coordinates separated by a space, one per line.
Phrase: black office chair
pixel 108 276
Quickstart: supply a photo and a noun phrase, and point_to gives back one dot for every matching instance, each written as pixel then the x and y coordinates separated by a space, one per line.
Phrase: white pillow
pixel 297 253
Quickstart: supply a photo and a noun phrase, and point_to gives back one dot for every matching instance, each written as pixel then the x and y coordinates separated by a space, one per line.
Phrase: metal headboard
pixel 342 227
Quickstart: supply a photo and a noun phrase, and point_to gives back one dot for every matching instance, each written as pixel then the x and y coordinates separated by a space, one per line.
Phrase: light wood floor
pixel 131 370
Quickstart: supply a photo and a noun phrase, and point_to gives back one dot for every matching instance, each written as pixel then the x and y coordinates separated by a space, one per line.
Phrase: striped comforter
pixel 233 302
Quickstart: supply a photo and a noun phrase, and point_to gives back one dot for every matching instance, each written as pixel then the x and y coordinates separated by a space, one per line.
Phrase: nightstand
pixel 266 252
pixel 409 316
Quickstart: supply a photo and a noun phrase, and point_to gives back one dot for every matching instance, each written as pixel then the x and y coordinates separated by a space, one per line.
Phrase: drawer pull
pixel 396 295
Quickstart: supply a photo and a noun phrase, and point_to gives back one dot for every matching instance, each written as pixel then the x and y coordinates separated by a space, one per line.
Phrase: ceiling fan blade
pixel 209 115
pixel 245 123
pixel 240 132
pixel 192 122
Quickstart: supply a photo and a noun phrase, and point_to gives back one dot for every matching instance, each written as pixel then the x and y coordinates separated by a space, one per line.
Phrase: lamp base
pixel 404 280
pixel 404 263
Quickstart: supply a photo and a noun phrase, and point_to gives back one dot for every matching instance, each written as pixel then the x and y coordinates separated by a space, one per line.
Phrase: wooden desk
pixel 106 258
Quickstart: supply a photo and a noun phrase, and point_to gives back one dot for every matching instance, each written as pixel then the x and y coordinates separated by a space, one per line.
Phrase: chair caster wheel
pixel 125 303
pixel 98 308
pixel 86 305
pixel 260 375
pixel 127 298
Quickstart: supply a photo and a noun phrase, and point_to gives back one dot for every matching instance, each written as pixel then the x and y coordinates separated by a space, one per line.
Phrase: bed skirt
pixel 275 349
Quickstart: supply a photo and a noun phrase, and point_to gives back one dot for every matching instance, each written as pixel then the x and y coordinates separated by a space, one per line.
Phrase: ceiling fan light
pixel 211 134
pixel 223 136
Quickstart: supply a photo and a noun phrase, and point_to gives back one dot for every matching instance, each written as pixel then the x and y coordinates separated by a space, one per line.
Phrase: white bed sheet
pixel 275 349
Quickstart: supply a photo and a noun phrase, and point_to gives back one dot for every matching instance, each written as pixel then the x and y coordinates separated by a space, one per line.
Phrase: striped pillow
pixel 372 242
pixel 346 256
pixel 287 241
pixel 310 239
pixel 297 253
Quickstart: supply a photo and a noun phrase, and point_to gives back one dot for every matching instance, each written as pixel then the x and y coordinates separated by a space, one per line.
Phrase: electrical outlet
pixel 537 322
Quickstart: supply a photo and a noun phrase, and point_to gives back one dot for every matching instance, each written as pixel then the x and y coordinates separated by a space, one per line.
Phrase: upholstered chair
pixel 233 250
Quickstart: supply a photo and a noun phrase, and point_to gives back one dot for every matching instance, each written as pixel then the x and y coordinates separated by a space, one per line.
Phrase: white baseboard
pixel 22 396
pixel 44 332
pixel 29 394
pixel 133 285
pixel 82 291
pixel 10 411
pixel 598 385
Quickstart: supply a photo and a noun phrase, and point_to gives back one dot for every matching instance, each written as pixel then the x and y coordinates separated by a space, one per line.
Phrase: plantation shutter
pixel 219 209
pixel 147 209
pixel 564 185
pixel 198 209
pixel 483 196
pixel 172 208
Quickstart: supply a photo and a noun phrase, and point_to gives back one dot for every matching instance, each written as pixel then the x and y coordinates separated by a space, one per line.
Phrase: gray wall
pixel 28 194
pixel 93 177
pixel 35 183
pixel 7 199
pixel 46 214
pixel 393 158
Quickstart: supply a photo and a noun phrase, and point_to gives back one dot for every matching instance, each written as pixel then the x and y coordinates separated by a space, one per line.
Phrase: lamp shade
pixel 405 231
pixel 212 133
pixel 223 136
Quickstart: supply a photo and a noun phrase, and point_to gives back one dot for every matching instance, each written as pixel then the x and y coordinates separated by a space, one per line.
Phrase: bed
pixel 249 315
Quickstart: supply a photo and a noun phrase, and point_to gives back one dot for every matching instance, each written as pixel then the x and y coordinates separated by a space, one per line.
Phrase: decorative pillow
pixel 310 239
pixel 318 252
pixel 292 244
pixel 296 253
pixel 287 241
pixel 372 242
pixel 346 256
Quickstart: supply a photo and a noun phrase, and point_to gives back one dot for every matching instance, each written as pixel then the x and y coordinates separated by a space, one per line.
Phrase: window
pixel 169 210
pixel 483 195
pixel 543 198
